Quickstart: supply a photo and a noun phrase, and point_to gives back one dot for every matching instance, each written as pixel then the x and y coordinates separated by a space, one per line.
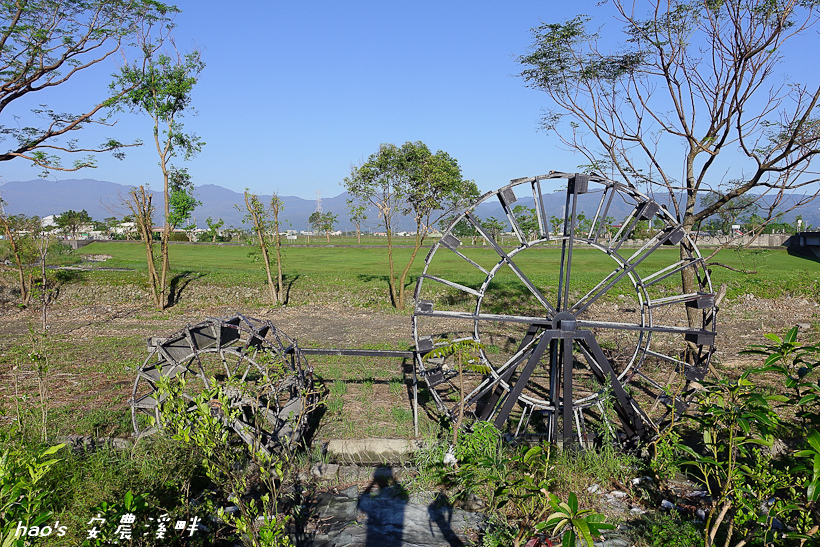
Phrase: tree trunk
pixel 164 244
pixel 142 215
pixel 46 297
pixel 275 204
pixel 394 296
pixel 416 247
pixel 259 228
pixel 689 280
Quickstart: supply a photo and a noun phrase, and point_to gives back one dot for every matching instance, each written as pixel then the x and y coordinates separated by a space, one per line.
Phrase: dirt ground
pixel 96 339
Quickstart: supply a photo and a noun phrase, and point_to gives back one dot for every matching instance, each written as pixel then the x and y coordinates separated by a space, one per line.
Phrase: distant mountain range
pixel 105 199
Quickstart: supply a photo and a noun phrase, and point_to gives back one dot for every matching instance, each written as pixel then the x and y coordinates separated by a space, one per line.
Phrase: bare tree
pixel 265 224
pixel 697 77
pixel 142 211
pixel 276 207
pixel 358 214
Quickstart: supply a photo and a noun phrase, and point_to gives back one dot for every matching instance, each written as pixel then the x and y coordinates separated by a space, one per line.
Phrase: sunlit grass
pixel 776 273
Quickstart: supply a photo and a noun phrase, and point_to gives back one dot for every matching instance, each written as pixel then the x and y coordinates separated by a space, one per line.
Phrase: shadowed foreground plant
pixel 229 463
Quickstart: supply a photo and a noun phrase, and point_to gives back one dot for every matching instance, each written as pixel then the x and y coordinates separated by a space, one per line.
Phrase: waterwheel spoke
pixel 628 268
pixel 421 310
pixel 452 284
pixel 505 258
pixel 700 336
pixel 644 210
pixel 500 381
pixel 451 243
pixel 506 197
pixel 540 213
pixel 599 220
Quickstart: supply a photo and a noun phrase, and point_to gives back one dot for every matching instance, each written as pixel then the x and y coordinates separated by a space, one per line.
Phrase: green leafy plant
pixel 735 420
pixel 670 530
pixel 465 353
pixel 111 516
pixel 518 481
pixel 813 453
pixel 230 464
pixel 752 486
pixel 23 497
pixel 795 363
pixel 573 523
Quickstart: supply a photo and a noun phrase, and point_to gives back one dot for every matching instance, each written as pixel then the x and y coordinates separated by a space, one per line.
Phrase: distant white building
pixel 124 228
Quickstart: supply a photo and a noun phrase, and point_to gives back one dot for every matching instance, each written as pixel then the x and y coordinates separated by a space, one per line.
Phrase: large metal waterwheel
pixel 266 377
pixel 573 352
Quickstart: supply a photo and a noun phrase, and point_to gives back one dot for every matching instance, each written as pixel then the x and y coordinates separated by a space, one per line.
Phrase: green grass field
pixel 776 272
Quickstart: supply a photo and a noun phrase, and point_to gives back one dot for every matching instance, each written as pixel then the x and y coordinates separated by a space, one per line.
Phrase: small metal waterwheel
pixel 266 377
pixel 574 353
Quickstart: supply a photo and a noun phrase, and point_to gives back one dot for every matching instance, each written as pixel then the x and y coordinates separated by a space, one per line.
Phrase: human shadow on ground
pixel 383 501
pixel 441 514
pixel 393 521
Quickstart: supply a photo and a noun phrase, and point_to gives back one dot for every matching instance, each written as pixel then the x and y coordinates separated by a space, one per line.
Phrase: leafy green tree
pixel 108 225
pixel 800 225
pixel 557 224
pixel 47 43
pixel 409 180
pixel 327 221
pixel 162 88
pixel 654 91
pixel 358 214
pixel 494 227
pixel 582 224
pixel 213 229
pixel 71 221
pixel 527 220
pixel 182 200
pixel 315 220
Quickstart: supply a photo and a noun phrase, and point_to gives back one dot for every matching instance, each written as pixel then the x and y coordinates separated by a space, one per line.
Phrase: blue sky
pixel 294 93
